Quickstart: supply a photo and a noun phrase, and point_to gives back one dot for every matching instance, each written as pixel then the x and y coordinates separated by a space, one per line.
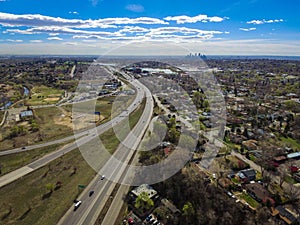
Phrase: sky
pixel 156 27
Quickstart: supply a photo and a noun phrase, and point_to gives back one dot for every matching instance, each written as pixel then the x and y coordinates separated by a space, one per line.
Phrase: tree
pixel 143 201
pixel 173 135
pixel 50 187
pixel 266 180
pixel 188 209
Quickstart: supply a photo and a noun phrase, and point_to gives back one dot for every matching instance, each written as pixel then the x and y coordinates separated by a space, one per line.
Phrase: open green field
pixel 29 201
pixel 42 95
pixel 15 161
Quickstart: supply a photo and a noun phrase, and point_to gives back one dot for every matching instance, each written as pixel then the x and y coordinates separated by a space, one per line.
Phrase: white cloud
pixel 37 20
pixel 135 29
pixel 258 22
pixel 54 39
pixel 14 40
pixel 135 8
pixel 74 12
pixel 125 33
pixel 70 43
pixel 176 34
pixel 53 34
pixel 181 30
pixel 36 41
pixel 200 18
pixel 94 2
pixel 248 29
pixel 60 30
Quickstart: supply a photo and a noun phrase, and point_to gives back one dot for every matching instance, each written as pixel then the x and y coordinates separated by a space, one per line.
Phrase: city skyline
pixel 143 27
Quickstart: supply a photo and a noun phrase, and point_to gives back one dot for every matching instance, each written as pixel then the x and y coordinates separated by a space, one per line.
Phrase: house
pixel 258 192
pixel 247 175
pixel 285 215
pixel 144 188
pixel 279 159
pixel 170 206
pixel 26 114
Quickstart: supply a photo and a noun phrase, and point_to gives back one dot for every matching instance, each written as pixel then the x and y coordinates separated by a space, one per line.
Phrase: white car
pixel 77 204
pixel 102 177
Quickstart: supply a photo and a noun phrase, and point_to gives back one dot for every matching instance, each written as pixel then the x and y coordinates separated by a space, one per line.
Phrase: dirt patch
pixel 77 121
pixel 51 99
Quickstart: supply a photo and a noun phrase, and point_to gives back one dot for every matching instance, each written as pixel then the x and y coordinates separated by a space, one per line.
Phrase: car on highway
pixel 77 204
pixel 102 177
pixel 91 193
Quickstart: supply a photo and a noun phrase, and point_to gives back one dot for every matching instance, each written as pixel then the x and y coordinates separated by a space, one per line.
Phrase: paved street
pixel 90 208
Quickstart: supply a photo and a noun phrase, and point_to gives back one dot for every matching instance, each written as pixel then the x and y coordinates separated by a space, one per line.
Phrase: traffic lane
pixel 85 214
pixel 125 152
pixel 125 155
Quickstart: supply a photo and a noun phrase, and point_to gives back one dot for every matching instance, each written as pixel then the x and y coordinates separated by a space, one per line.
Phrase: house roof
pixel 26 113
pixel 280 158
pixel 283 212
pixel 170 206
pixel 249 172
pixel 258 190
pixel 144 188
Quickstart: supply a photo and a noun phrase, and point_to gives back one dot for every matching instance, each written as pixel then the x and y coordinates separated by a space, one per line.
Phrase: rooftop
pixel 144 188
pixel 26 113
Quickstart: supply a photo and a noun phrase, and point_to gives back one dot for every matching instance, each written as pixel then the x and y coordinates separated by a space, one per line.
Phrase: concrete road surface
pixel 91 206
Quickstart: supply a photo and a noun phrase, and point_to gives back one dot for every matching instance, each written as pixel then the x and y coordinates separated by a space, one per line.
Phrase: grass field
pixel 14 161
pixel 28 201
pixel 48 129
pixel 42 95
pixel 102 105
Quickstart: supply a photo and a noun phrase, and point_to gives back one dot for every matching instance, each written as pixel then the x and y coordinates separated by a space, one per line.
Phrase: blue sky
pixel 239 27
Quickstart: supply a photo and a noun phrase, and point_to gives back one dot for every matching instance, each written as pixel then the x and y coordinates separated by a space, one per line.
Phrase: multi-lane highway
pixel 114 170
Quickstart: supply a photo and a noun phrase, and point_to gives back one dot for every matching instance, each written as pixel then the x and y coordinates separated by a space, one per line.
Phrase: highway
pixel 81 139
pixel 114 170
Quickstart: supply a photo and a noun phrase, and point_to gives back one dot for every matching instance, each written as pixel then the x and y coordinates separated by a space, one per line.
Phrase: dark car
pixel 91 193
